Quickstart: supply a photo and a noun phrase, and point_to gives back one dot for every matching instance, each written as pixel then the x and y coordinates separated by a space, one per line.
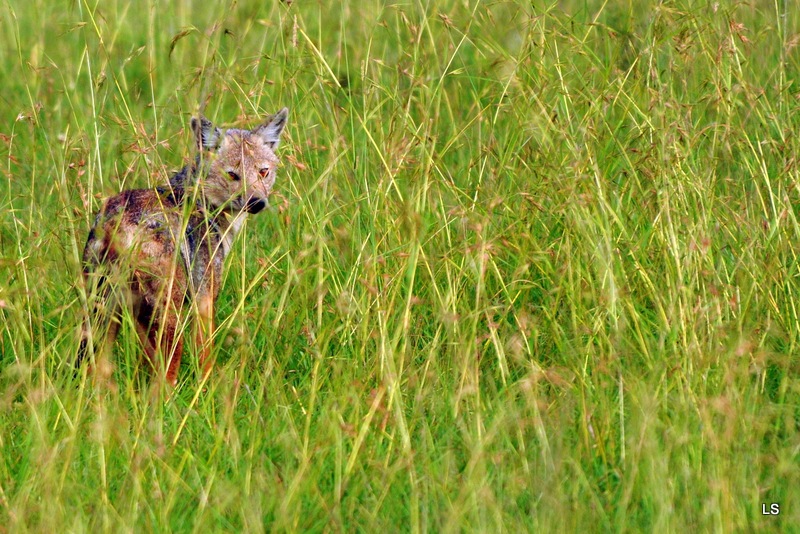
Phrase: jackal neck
pixel 183 188
pixel 229 225
pixel 185 182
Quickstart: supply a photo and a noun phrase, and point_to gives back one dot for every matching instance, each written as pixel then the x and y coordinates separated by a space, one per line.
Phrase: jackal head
pixel 239 165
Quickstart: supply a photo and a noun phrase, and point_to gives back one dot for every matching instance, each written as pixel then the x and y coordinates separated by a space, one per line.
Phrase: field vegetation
pixel 530 266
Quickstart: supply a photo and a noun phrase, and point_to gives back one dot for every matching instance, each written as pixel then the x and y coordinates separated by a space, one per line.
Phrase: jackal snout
pixel 254 205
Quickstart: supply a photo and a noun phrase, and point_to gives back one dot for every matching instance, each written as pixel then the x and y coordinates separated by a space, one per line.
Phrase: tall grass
pixel 531 266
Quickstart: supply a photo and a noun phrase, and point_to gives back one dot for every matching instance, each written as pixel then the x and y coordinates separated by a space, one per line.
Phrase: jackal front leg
pixel 204 330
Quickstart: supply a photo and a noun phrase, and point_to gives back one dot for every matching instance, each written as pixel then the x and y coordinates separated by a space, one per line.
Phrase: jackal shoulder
pixel 149 227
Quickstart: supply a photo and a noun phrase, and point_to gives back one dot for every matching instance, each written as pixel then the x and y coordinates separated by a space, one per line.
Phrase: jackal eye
pixel 263 172
pixel 234 176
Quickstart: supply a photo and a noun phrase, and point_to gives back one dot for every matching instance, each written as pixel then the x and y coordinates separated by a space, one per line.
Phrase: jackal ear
pixel 271 130
pixel 206 135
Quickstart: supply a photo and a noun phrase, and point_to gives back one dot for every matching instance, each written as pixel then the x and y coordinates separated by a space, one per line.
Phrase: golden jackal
pixel 159 252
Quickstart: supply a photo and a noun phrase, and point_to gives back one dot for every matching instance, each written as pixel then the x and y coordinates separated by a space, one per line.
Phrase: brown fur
pixel 159 252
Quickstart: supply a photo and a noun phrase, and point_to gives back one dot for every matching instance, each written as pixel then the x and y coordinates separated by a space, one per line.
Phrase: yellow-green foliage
pixel 530 266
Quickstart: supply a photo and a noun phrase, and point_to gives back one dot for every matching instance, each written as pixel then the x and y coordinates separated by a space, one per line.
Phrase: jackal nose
pixel 254 205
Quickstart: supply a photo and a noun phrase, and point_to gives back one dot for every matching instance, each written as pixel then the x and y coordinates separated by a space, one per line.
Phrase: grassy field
pixel 530 266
